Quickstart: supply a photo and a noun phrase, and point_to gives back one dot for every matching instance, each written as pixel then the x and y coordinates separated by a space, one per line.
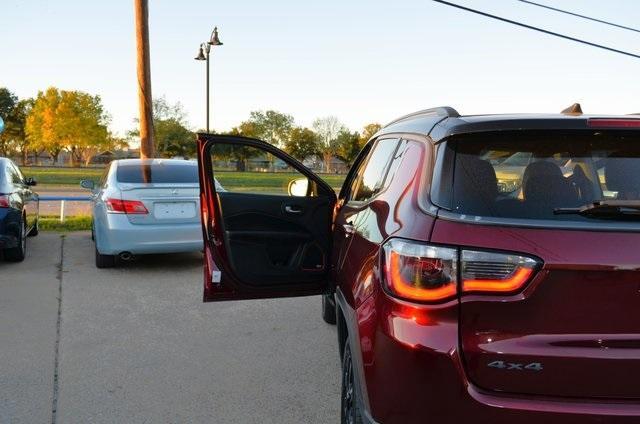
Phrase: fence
pixel 63 200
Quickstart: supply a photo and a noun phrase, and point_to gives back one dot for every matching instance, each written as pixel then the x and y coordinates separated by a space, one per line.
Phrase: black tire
pixel 104 261
pixel 349 403
pixel 36 228
pixel 18 253
pixel 328 309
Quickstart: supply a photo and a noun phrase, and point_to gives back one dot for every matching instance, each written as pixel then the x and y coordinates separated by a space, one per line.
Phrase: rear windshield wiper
pixel 604 209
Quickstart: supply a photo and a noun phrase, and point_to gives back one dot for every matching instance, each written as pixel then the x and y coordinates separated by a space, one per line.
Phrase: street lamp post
pixel 203 54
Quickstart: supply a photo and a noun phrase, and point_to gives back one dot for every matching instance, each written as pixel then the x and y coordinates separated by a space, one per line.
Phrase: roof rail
pixel 444 111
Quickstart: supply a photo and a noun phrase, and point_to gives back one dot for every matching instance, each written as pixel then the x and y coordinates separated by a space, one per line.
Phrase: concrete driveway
pixel 136 345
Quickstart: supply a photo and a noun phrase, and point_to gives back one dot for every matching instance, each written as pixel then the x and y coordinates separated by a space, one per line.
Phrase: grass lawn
pixel 71 223
pixel 236 181
pixel 61 176
pixel 270 182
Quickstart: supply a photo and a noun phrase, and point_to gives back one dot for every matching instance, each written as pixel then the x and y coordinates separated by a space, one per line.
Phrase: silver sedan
pixel 145 206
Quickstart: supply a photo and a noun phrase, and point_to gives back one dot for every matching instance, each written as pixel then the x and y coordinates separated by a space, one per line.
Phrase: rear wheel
pixel 328 309
pixel 18 253
pixel 36 228
pixel 350 407
pixel 104 261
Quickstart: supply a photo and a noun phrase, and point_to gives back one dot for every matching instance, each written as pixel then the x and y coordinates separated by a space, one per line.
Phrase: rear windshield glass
pixel 158 173
pixel 541 175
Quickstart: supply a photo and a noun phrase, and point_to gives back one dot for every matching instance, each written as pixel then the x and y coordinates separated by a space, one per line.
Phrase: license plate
pixel 174 210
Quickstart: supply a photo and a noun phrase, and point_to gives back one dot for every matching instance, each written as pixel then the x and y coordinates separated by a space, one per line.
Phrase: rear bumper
pixel 116 234
pixel 411 371
pixel 9 227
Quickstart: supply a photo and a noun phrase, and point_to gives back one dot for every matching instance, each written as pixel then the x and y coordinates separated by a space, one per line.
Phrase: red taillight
pixel 426 273
pixel 492 272
pixel 416 271
pixel 129 207
pixel 613 123
pixel 4 201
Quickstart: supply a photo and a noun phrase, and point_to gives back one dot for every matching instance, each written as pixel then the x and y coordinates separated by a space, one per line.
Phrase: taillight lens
pixel 494 272
pixel 417 271
pixel 4 201
pixel 427 273
pixel 129 207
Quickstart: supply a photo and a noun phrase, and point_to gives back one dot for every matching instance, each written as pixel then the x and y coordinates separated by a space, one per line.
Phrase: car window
pixel 15 176
pixel 103 177
pixel 246 169
pixel 564 171
pixel 370 181
pixel 158 173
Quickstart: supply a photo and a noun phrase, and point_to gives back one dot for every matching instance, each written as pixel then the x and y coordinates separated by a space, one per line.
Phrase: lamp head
pixel 201 55
pixel 215 41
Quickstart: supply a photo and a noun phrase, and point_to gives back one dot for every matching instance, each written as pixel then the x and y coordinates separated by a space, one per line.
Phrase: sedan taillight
pixel 129 207
pixel 428 273
pixel 4 201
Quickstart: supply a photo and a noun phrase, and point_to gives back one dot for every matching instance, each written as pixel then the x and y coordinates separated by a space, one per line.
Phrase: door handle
pixel 349 229
pixel 293 209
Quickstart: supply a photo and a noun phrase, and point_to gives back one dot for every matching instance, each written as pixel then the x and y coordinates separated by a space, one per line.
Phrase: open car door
pixel 266 221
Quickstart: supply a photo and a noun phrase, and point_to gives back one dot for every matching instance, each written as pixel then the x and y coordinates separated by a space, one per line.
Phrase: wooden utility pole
pixel 145 104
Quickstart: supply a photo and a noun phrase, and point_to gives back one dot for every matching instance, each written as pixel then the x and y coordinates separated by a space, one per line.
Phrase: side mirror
pixel 30 182
pixel 298 187
pixel 87 184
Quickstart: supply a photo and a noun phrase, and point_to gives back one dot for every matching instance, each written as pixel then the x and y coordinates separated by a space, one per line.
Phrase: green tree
pixel 328 129
pixel 348 146
pixel 8 102
pixel 271 126
pixel 15 128
pixel 172 135
pixel 302 143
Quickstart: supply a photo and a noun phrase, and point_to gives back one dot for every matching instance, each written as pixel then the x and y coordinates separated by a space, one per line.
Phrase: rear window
pixel 157 173
pixel 534 175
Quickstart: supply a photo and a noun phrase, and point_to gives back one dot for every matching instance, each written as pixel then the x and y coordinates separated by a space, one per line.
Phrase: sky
pixel 362 61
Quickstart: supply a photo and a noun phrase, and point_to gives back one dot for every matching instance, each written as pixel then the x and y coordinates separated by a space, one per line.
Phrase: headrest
pixel 540 179
pixel 622 174
pixel 476 175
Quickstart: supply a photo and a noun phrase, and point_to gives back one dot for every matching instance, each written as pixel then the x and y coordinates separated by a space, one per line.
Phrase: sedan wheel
pixel 18 253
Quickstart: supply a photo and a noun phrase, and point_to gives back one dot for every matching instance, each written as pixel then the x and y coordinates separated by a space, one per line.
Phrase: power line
pixel 555 34
pixel 566 12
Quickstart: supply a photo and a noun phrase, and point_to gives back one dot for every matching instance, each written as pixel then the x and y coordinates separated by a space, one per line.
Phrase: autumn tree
pixel 328 129
pixel 368 131
pixel 68 120
pixel 41 124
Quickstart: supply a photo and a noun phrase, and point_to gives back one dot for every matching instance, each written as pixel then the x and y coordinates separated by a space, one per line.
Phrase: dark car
pixel 457 299
pixel 18 211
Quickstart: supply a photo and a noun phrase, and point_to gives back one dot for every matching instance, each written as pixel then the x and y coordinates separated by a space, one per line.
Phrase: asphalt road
pixel 136 345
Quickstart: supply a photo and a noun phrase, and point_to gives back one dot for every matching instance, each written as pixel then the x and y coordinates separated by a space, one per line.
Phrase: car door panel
pixel 268 245
pixel 263 245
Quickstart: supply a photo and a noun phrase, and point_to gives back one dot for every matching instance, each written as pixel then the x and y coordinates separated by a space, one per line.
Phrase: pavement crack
pixel 54 401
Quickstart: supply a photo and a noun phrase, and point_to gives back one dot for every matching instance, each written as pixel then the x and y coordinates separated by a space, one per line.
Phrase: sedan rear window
pixel 542 175
pixel 158 173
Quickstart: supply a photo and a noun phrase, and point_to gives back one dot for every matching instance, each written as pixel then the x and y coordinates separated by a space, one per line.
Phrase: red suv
pixel 480 268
